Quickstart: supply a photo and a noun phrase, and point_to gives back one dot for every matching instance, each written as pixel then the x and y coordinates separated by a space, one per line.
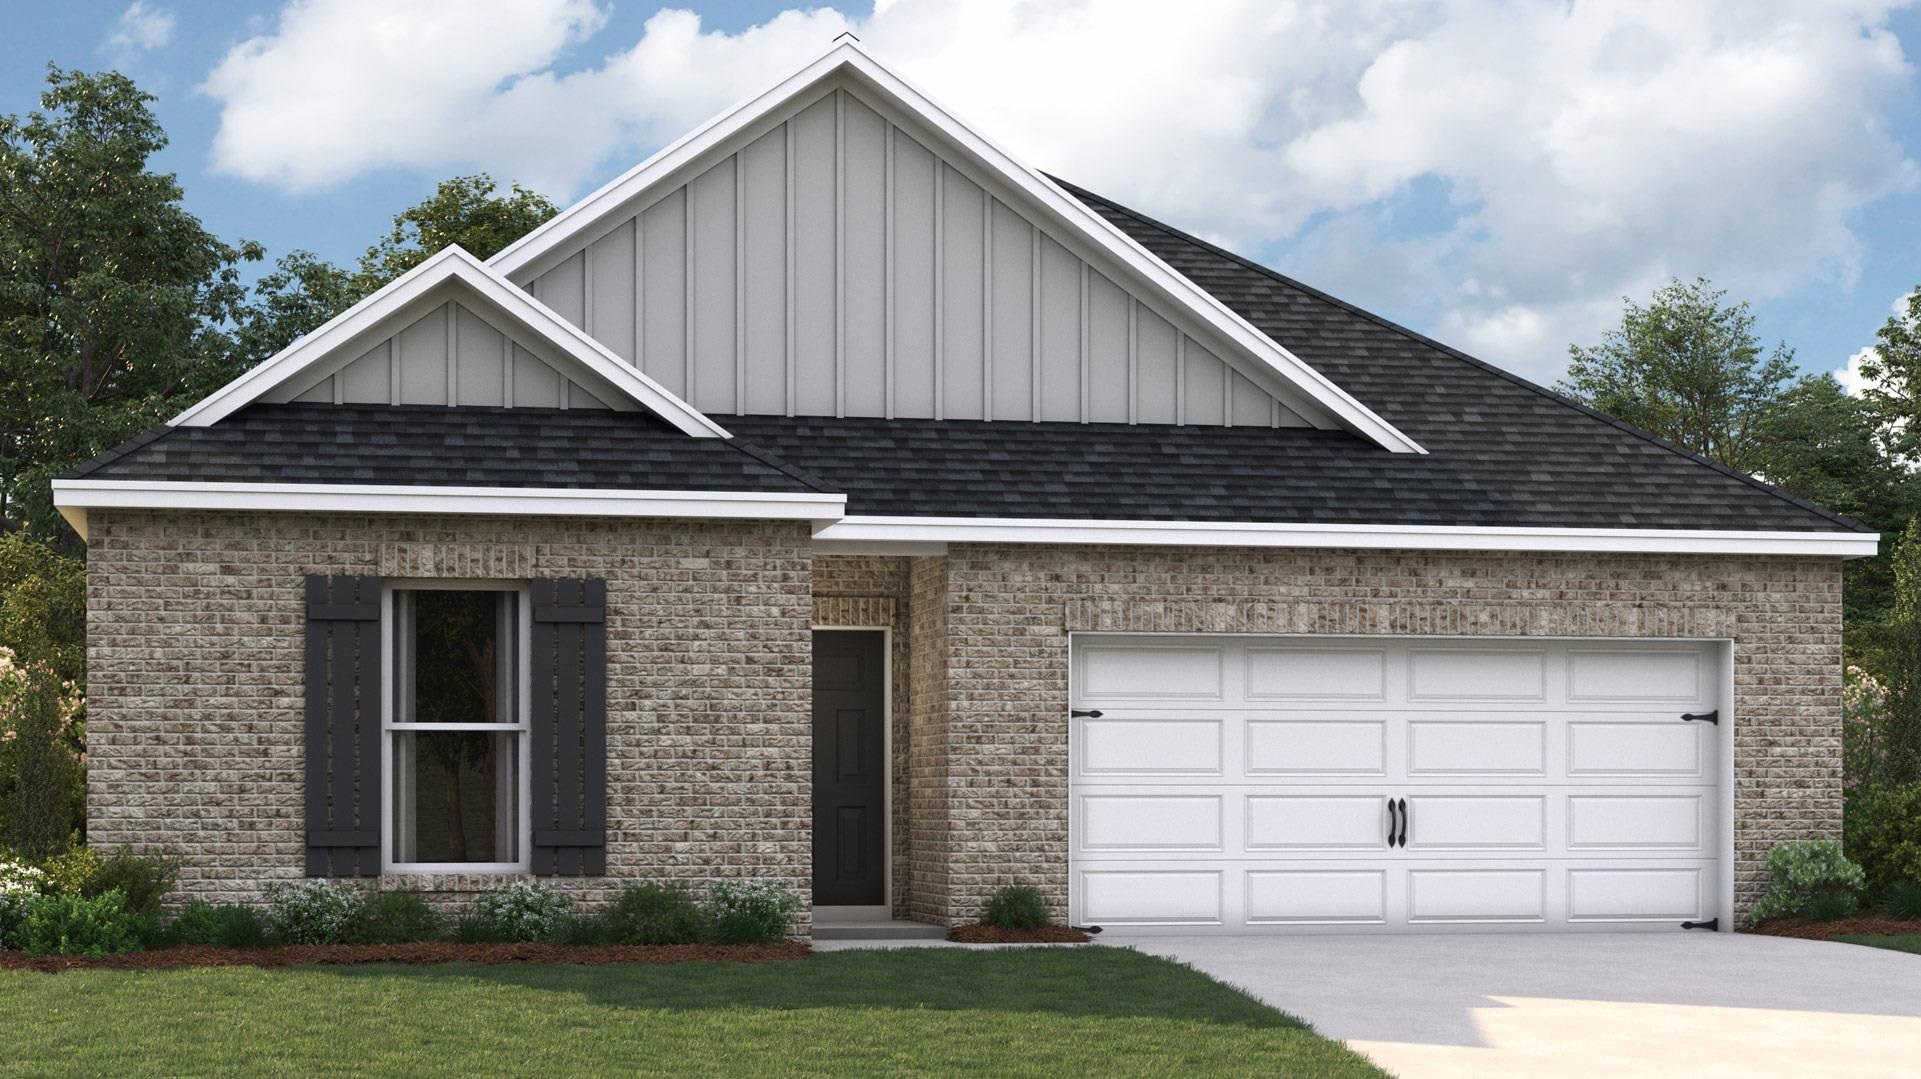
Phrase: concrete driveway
pixel 1666 1004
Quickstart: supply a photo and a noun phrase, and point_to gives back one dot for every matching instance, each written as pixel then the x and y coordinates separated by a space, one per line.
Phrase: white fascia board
pixel 1066 211
pixel 875 531
pixel 450 264
pixel 77 496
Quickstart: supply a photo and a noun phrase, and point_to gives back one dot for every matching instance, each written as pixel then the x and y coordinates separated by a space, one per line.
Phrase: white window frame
pixel 390 724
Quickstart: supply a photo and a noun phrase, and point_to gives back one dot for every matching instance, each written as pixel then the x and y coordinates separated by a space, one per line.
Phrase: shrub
pixel 39 814
pixel 1016 906
pixel 400 916
pixel 1884 835
pixel 228 925
pixel 654 914
pixel 311 912
pixel 70 872
pixel 143 882
pixel 750 912
pixel 1904 900
pixel 80 925
pixel 1864 731
pixel 20 885
pixel 517 912
pixel 1809 879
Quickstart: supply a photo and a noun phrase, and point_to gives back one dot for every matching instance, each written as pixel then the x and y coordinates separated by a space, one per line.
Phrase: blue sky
pixel 1497 175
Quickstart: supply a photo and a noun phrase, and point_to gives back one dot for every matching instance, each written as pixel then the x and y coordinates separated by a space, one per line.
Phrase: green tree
pixel 1901 658
pixel 464 210
pixel 112 296
pixel 42 805
pixel 43 606
pixel 1687 367
pixel 1892 370
pixel 305 290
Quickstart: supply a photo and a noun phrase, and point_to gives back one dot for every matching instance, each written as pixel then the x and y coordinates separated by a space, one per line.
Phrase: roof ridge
pixel 767 458
pixel 1089 196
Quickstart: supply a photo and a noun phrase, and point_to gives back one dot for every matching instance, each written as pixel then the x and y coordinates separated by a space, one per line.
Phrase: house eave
pixel 875 532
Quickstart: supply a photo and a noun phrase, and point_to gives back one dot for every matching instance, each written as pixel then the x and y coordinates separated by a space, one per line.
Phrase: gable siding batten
pixel 889 300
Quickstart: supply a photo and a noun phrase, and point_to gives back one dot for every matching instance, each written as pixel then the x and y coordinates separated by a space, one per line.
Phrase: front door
pixel 850 768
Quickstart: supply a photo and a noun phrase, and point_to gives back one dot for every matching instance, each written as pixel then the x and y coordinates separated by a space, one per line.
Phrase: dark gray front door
pixel 850 767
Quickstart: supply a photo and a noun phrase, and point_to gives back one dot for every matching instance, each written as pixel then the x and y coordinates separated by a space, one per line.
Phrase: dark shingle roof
pixel 1501 450
pixel 1498 430
pixel 431 446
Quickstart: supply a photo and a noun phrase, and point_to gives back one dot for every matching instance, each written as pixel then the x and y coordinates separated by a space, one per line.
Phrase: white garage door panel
pixel 1144 747
pixel 1151 897
pixel 1316 674
pixel 1316 897
pixel 1278 747
pixel 1236 785
pixel 1460 747
pixel 1316 822
pixel 1659 747
pixel 1150 822
pixel 1477 895
pixel 1476 822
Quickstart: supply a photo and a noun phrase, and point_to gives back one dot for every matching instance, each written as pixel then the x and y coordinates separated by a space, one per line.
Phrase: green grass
pixel 1900 942
pixel 1026 1012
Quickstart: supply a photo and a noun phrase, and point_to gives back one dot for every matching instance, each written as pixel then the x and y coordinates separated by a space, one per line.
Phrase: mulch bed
pixel 1861 925
pixel 987 934
pixel 415 954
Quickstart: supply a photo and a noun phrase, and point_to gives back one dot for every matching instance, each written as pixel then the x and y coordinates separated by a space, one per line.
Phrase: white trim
pixel 456 265
pixel 872 531
pixel 81 495
pixel 1063 209
pixel 887 767
pixel 522 726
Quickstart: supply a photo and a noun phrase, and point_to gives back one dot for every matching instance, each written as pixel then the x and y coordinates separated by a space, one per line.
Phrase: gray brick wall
pixel 997 736
pixel 195 630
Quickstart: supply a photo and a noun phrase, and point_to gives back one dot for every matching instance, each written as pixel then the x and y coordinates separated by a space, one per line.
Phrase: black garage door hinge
pixel 1712 924
pixel 1713 717
pixel 1084 713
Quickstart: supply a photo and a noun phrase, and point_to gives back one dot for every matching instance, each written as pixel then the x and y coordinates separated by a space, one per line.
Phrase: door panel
pixel 850 768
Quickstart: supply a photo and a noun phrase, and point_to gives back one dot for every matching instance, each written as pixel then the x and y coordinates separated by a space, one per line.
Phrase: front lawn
pixel 1027 1011
pixel 1900 942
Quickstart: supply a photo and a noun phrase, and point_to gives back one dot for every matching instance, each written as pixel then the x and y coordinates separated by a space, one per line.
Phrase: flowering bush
pixel 1810 878
pixel 750 912
pixel 20 885
pixel 517 912
pixel 311 912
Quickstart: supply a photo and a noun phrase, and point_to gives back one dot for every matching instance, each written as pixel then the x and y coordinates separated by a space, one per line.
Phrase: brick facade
pixel 195 632
pixel 195 635
pixel 1008 610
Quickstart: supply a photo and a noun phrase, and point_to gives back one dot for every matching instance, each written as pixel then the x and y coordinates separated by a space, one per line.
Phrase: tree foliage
pixel 1687 367
pixel 305 290
pixel 1901 666
pixel 1892 373
pixel 112 296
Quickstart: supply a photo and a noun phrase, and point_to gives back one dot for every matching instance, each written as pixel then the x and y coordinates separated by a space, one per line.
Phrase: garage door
pixel 1237 784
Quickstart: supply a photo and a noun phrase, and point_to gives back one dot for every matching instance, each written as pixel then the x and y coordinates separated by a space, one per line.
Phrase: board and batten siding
pixel 835 266
pixel 448 354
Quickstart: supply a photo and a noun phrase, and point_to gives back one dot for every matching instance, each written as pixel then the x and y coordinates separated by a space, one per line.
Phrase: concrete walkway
pixel 1668 1004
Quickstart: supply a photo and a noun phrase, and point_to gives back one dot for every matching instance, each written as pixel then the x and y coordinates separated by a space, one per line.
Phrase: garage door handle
pixel 1403 804
pixel 1392 822
pixel 1084 713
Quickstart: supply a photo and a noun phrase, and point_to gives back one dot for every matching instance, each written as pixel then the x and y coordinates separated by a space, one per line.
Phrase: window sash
pixel 390 723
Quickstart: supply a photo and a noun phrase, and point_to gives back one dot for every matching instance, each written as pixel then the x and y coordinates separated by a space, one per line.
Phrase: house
pixel 835 500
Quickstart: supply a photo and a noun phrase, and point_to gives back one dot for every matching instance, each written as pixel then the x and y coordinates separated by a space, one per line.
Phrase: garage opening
pixel 1256 784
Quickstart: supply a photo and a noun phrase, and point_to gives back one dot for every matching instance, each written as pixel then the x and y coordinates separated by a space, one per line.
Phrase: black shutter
pixel 568 727
pixel 343 726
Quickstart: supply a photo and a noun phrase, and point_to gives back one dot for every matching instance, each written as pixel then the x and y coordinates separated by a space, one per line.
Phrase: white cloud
pixel 139 29
pixel 1580 152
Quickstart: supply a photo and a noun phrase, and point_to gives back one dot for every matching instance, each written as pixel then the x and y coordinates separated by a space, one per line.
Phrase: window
pixel 455 728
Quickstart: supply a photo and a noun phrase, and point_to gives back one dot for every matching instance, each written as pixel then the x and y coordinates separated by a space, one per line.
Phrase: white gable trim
pixel 450 265
pixel 75 497
pixel 872 534
pixel 1058 206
